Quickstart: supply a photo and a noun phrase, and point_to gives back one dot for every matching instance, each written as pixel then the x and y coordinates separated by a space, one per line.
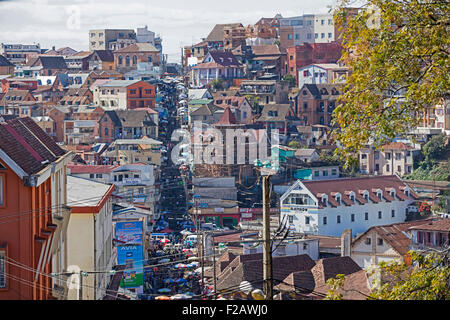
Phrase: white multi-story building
pixel 18 53
pixel 134 183
pixel 330 207
pixel 309 28
pixel 321 74
pixel 323 28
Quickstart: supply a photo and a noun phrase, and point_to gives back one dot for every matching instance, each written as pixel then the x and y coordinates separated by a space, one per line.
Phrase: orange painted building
pixel 141 95
pixel 33 213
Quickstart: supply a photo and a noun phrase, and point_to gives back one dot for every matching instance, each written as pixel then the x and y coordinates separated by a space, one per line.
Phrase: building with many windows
pixel 332 206
pixel 33 190
pixel 111 39
pixel 123 94
pixel 395 157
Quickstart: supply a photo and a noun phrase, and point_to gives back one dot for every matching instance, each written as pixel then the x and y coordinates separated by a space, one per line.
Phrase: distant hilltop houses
pixel 114 143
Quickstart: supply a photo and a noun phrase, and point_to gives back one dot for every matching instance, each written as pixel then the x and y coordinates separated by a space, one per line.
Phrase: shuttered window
pixel 2 270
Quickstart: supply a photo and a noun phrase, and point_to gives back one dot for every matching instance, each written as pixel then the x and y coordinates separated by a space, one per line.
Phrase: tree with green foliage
pixel 295 144
pixel 291 79
pixel 217 84
pixel 435 148
pixel 398 53
pixel 428 278
pixel 254 102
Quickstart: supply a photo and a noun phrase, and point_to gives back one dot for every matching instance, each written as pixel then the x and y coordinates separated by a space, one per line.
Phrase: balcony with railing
pixel 258 89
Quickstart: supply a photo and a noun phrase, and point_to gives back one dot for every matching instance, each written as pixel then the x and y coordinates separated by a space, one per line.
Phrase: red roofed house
pixel 392 158
pixel 240 106
pixel 433 234
pixel 34 214
pixel 217 65
pixel 332 206
pixel 385 243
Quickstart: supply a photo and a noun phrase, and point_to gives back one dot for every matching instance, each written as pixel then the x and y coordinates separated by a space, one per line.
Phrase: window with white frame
pixel 291 219
pixel 380 215
pixel 352 217
pixel 324 200
pixel 324 220
pixel 307 220
pixel 338 219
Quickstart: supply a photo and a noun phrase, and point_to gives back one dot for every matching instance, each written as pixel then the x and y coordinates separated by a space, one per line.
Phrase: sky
pixel 66 23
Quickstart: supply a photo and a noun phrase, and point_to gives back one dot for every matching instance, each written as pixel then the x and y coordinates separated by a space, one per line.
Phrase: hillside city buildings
pixel 112 159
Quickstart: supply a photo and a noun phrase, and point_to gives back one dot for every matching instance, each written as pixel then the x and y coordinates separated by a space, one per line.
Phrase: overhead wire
pixel 30 269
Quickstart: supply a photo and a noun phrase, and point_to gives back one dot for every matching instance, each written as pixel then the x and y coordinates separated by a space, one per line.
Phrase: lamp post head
pixel 258 163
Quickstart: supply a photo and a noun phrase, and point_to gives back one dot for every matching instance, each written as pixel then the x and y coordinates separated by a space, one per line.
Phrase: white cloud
pixel 179 22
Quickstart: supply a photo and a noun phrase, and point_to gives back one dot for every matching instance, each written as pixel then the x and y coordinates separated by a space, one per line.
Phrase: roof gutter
pixel 35 180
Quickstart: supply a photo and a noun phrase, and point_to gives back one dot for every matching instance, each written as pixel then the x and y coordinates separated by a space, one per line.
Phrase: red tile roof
pixel 313 280
pixel 28 145
pixel 227 117
pixel 396 146
pixel 394 234
pixel 358 185
pixel 79 169
pixel 439 225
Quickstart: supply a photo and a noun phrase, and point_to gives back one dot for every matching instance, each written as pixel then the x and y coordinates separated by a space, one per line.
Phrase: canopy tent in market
pixel 164 290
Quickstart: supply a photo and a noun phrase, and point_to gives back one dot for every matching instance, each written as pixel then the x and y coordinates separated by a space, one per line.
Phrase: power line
pixel 20 265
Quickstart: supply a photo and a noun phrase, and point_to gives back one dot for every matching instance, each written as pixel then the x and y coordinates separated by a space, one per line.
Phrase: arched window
pixel 120 60
pixel 127 61
pixel 134 60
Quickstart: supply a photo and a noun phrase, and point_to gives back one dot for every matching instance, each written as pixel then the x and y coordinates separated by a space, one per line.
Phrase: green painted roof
pixel 200 101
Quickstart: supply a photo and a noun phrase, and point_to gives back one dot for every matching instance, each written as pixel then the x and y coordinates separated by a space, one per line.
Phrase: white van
pixel 191 240
pixel 208 226
pixel 159 236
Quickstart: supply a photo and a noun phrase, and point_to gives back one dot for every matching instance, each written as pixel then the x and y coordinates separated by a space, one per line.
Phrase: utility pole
pixel 203 262
pixel 81 286
pixel 214 264
pixel 267 253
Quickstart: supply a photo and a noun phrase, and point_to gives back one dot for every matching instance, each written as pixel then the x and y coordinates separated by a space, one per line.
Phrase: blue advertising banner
pixel 132 257
pixel 130 252
pixel 129 232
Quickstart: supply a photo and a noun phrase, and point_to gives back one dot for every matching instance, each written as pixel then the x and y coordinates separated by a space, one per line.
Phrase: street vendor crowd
pixel 170 269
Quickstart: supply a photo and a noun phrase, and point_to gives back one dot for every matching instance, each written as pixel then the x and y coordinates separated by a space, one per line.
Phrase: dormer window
pixel 392 193
pixel 338 199
pixel 380 195
pixel 324 200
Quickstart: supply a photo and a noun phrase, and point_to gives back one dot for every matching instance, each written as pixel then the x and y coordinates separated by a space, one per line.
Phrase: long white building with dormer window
pixel 330 207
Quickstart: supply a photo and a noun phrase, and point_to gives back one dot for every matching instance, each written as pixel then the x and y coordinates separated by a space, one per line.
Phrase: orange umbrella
pixel 162 298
